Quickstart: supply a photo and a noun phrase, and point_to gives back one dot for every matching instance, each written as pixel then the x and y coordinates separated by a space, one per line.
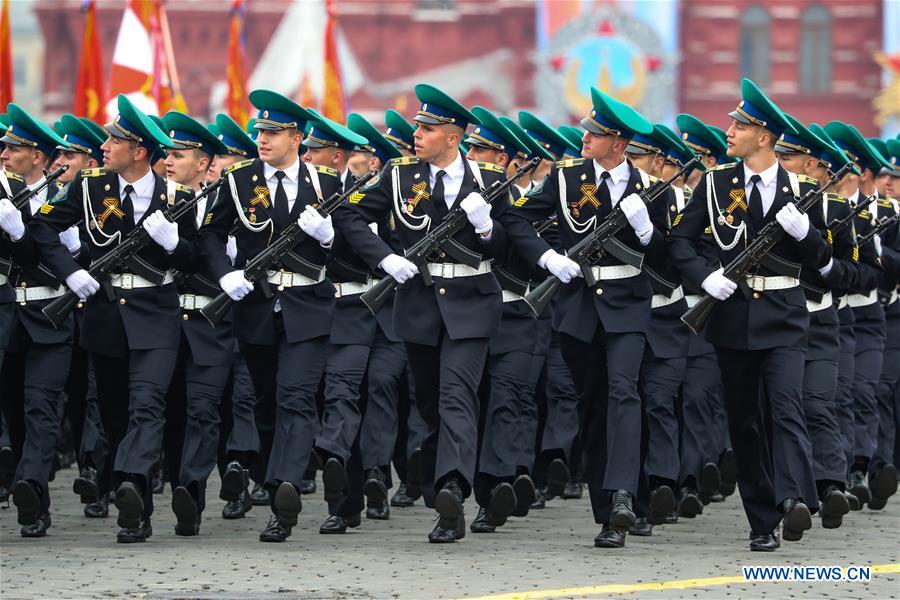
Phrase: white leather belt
pixel 38 292
pixel 758 283
pixel 826 302
pixel 692 299
pixel 3 279
pixel 895 295
pixel 858 300
pixel 843 302
pixel 286 279
pixel 353 288
pixel 128 281
pixel 451 270
pixel 193 301
pixel 660 300
pixel 509 296
pixel 616 272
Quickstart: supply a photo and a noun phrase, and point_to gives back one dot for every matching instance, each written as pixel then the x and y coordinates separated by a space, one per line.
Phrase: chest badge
pixel 111 208
pixel 261 196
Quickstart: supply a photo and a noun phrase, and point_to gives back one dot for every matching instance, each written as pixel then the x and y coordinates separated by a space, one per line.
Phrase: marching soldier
pixel 758 335
pixel 283 322
pixel 446 326
pixel 131 329
pixel 868 319
pixel 204 352
pixel 603 328
pixel 36 347
pixel 809 156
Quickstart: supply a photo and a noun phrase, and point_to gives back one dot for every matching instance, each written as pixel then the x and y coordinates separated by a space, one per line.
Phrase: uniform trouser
pixel 510 393
pixel 93 439
pixel 341 418
pixel 411 429
pixel 606 376
pixel 81 410
pixel 843 401
pixel 195 392
pixel 287 376
pixel 526 444
pixel 888 394
pixel 819 390
pixel 378 433
pixel 238 436
pixel 131 395
pixel 39 365
pixel 700 400
pixel 447 377
pixel 658 388
pixel 865 402
pixel 558 430
pixel 764 400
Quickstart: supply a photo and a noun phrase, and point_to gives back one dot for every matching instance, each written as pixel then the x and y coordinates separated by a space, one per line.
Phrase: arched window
pixel 815 50
pixel 755 45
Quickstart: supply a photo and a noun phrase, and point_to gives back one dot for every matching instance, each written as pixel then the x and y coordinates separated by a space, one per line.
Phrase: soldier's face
pixel 76 161
pixel 598 147
pixel 792 162
pixel 183 166
pixel 644 162
pixel 430 141
pixel 321 157
pixel 220 162
pixel 744 139
pixel 361 163
pixel 893 186
pixel 488 155
pixel 881 183
pixel 118 153
pixel 21 160
pixel 279 148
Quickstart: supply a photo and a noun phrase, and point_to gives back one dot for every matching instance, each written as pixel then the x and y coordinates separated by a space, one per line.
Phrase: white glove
pixel 564 268
pixel 478 211
pixel 718 286
pixel 877 241
pixel 794 222
pixel 231 249
pixel 82 284
pixel 235 285
pixel 636 212
pixel 70 239
pixel 398 267
pixel 316 226
pixel 163 231
pixel 11 220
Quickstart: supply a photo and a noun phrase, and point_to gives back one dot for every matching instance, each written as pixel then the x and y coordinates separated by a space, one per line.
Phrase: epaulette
pixel 885 203
pixel 238 165
pixel 484 166
pixel 569 162
pixel 835 198
pixel 95 172
pixel 183 188
pixel 652 178
pixel 13 176
pixel 327 170
pixel 722 167
pixel 807 179
pixel 403 161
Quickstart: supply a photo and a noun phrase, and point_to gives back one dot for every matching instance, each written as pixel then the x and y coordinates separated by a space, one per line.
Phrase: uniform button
pixel 599 292
pixel 756 295
pixel 442 254
pixel 23 284
pixel 21 303
pixel 121 300
pixel 185 317
pixel 280 288
pixel 79 305
pixel 442 291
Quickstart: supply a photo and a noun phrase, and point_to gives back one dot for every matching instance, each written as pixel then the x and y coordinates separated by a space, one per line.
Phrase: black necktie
pixel 282 214
pixel 437 193
pixel 603 195
pixel 756 208
pixel 128 205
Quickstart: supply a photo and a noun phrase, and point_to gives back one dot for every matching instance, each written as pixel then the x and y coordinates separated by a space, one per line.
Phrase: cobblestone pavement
pixel 548 554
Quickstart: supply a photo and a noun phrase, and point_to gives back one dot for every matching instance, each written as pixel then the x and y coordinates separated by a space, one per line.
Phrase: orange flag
pixel 236 73
pixel 333 104
pixel 6 65
pixel 90 101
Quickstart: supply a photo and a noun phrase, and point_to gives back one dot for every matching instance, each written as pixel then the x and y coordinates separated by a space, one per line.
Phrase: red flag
pixel 90 101
pixel 333 105
pixel 236 72
pixel 6 65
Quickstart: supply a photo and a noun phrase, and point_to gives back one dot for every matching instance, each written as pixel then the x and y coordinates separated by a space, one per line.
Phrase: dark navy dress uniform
pixel 603 328
pixel 132 333
pixel 760 337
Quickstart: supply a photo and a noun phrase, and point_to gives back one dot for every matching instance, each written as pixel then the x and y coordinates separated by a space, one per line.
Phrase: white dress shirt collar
pixel 767 177
pixel 292 172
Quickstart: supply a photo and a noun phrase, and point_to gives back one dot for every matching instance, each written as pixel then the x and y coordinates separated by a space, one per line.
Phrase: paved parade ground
pixel 548 554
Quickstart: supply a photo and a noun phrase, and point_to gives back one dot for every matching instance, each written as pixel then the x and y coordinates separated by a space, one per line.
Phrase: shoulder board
pixel 835 198
pixel 327 170
pixel 723 167
pixel 183 188
pixel 490 167
pixel 885 203
pixel 403 161
pixel 569 162
pixel 652 178
pixel 807 179
pixel 13 176
pixel 95 172
pixel 238 165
